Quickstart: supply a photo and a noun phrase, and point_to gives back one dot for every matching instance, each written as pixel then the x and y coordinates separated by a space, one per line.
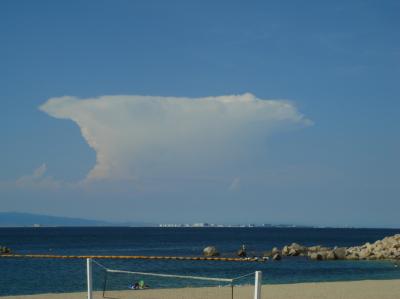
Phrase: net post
pixel 257 285
pixel 89 278
pixel 105 284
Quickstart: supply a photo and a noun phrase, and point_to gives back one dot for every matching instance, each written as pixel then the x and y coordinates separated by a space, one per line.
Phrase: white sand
pixel 368 289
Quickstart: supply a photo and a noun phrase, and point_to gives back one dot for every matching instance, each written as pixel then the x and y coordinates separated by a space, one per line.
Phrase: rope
pixel 100 265
pixel 243 276
pixel 134 257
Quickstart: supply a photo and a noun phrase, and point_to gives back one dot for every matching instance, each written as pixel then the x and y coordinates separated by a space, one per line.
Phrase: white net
pixel 121 284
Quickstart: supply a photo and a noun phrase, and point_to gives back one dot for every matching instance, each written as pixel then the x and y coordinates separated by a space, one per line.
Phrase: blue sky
pixel 336 62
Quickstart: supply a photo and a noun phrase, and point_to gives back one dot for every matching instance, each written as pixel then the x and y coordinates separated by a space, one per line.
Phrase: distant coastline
pixel 19 219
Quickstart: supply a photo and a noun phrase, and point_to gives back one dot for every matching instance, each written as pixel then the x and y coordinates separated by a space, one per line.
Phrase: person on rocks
pixel 242 251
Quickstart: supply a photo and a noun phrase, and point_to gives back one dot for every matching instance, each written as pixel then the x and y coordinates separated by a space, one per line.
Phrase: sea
pixel 20 276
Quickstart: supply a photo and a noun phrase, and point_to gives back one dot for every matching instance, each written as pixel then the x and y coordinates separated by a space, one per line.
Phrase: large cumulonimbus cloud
pixel 154 136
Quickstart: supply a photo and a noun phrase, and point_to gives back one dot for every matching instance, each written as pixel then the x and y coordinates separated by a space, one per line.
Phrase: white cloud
pixel 39 172
pixel 152 136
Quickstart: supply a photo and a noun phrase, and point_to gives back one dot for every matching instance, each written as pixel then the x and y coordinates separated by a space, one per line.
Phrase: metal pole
pixel 105 285
pixel 257 285
pixel 89 278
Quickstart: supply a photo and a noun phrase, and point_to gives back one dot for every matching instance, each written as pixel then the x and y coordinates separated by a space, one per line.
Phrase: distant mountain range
pixel 12 219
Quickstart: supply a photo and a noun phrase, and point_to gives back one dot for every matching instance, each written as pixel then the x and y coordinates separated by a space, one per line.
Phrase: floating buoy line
pixel 134 257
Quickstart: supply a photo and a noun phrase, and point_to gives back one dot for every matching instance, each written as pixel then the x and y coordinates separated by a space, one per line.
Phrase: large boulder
pixel 300 249
pixel 340 253
pixel 330 255
pixel 293 252
pixel 272 252
pixel 210 251
pixel 275 250
pixel 277 256
pixel 352 256
pixel 316 256
pixel 364 254
pixel 294 249
pixel 314 248
pixel 285 250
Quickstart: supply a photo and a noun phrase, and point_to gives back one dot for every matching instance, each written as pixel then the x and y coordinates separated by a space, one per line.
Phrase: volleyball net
pixel 106 282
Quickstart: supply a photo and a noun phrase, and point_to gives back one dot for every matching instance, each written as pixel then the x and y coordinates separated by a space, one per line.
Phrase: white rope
pixel 100 265
pixel 172 276
pixel 243 276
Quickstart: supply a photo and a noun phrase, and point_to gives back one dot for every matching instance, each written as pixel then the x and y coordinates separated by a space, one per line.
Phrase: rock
pixel 210 251
pixel 300 249
pixel 296 246
pixel 380 256
pixel 275 250
pixel 330 255
pixel 352 256
pixel 324 254
pixel 325 249
pixel 277 257
pixel 314 248
pixel 293 252
pixel 294 249
pixel 313 255
pixel 364 254
pixel 285 250
pixel 316 256
pixel 272 252
pixel 340 253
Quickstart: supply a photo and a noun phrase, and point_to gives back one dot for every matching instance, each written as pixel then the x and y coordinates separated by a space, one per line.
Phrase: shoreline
pixel 362 289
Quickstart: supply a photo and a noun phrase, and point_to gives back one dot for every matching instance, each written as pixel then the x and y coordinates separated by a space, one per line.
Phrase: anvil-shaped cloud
pixel 157 136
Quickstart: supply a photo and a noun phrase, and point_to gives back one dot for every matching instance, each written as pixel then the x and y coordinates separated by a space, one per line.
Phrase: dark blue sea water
pixel 28 276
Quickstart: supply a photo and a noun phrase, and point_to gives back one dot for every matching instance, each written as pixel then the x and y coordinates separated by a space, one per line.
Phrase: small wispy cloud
pixel 235 184
pixel 38 180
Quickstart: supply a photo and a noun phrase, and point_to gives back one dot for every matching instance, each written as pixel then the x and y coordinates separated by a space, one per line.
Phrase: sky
pixel 202 111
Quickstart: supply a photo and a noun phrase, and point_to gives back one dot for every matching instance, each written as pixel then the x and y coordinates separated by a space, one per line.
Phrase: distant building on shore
pixel 205 224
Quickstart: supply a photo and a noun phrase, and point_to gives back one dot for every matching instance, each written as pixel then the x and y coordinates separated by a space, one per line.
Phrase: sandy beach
pixel 368 289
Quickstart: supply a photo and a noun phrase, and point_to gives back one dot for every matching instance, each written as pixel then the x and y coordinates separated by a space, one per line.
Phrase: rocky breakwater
pixel 387 248
pixel 320 253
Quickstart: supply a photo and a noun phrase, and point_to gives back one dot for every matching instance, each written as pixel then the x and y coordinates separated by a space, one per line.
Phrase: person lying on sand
pixel 139 285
